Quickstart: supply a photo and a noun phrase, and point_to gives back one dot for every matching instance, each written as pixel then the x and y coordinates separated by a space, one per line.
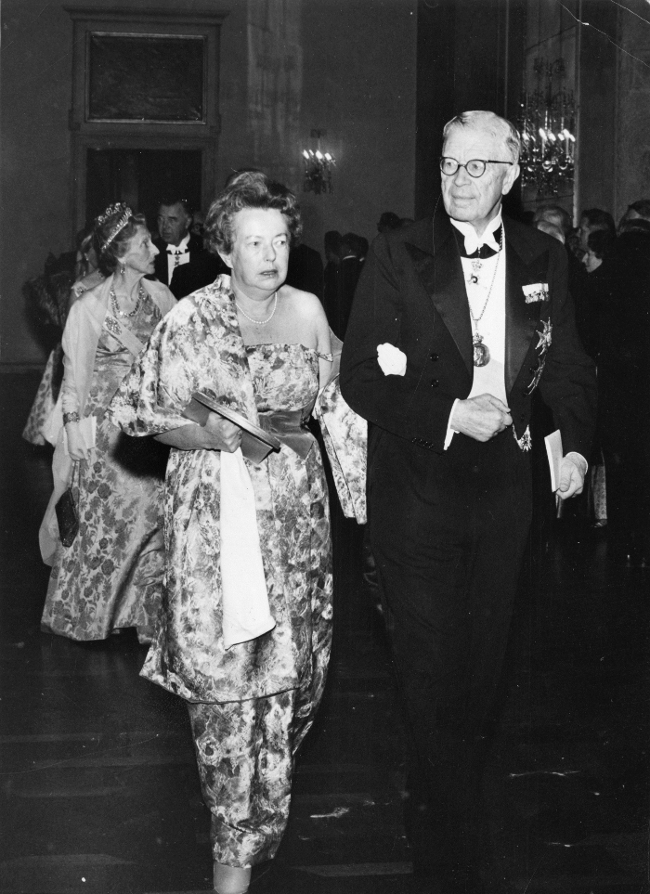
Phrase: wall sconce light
pixel 318 167
pixel 547 125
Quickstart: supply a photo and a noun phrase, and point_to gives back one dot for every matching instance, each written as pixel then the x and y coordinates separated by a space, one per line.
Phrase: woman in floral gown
pixel 51 295
pixel 252 684
pixel 110 577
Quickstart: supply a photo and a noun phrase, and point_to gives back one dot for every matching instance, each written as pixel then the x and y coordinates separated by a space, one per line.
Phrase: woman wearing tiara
pixel 110 576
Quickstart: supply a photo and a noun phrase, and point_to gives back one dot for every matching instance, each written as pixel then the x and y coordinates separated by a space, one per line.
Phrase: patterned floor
pixel 99 791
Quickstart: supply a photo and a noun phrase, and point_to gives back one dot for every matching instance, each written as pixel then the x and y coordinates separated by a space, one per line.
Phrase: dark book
pixel 256 443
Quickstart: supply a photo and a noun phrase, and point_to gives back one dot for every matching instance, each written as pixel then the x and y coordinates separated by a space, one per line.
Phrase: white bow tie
pixel 474 243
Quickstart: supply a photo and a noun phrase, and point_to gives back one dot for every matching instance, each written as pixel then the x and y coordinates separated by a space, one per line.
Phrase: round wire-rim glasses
pixel 475 167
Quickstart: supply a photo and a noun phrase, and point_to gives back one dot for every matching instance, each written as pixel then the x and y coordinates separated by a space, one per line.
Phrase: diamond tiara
pixel 121 223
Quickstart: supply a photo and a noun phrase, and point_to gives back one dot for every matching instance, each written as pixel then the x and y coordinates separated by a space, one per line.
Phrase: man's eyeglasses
pixel 475 167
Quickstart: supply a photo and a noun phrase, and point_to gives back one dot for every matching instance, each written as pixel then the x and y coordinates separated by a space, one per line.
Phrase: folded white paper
pixel 555 453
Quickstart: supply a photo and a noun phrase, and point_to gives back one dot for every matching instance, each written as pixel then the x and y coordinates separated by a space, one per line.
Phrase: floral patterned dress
pixel 44 401
pixel 252 704
pixel 111 575
pixel 248 788
pixel 48 389
pixel 198 347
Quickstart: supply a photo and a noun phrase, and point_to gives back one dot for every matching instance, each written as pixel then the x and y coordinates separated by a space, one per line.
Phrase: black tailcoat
pixel 448 528
pixel 201 269
pixel 412 295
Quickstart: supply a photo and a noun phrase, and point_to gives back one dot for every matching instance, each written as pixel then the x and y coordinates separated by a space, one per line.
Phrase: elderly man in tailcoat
pixel 457 320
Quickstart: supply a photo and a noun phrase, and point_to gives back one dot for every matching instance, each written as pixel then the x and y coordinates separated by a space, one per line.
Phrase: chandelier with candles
pixel 547 129
pixel 318 167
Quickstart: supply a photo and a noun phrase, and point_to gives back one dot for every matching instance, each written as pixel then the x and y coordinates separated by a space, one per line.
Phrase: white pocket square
pixel 391 360
pixel 536 291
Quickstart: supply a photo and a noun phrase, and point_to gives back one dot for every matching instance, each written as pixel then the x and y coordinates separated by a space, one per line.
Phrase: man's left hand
pixel 572 476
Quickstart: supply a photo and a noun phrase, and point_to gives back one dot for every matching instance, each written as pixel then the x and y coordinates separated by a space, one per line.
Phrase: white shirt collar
pixel 183 246
pixel 472 240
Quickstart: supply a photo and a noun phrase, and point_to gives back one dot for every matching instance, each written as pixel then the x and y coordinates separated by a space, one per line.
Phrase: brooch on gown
pixel 112 325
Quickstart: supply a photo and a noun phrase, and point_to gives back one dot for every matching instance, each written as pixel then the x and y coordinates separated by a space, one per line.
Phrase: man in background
pixel 183 263
pixel 593 219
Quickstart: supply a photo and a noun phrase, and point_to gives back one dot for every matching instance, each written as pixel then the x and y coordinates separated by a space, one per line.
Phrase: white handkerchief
pixel 391 360
pixel 246 613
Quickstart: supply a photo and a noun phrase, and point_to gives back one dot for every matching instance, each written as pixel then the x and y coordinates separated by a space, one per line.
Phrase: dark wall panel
pixel 597 107
pixel 465 61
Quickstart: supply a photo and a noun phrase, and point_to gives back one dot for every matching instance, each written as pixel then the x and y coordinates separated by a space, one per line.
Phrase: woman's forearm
pixel 69 396
pixel 216 434
pixel 187 437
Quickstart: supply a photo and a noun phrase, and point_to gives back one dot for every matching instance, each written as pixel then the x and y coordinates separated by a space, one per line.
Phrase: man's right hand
pixel 480 417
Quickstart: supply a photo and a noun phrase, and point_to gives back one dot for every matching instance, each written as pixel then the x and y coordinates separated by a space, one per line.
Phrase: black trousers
pixel 448 545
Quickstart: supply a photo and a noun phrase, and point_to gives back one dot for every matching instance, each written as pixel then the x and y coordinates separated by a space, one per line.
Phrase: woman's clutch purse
pixel 67 517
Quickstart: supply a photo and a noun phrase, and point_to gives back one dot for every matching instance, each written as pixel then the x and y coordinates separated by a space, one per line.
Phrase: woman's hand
pixel 76 447
pixel 216 434
pixel 221 434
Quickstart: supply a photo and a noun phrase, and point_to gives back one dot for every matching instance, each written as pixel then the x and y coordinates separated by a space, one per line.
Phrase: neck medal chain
pixel 480 351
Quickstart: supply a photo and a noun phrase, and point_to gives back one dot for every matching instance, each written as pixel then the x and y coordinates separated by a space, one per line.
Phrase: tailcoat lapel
pixel 436 258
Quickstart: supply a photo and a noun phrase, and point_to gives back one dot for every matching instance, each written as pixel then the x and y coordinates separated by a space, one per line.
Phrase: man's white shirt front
pixel 488 379
pixel 177 255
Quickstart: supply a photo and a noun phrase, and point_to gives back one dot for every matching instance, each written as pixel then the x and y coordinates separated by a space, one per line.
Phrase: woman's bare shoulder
pixel 305 304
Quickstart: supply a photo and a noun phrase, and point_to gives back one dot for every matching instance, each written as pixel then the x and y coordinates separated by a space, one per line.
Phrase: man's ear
pixel 509 180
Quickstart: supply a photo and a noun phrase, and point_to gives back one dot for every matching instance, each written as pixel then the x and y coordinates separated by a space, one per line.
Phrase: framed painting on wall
pixel 145 106
pixel 146 78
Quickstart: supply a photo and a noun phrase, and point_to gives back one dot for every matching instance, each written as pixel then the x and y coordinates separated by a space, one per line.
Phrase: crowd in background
pixel 609 279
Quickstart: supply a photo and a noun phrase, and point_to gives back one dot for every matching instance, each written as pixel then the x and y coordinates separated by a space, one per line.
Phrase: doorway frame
pixel 202 136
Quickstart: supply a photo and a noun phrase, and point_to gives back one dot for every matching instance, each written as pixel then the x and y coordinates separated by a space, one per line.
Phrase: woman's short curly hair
pixel 249 189
pixel 112 232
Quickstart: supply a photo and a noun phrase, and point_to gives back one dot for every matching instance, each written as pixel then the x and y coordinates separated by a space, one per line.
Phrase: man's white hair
pixel 494 124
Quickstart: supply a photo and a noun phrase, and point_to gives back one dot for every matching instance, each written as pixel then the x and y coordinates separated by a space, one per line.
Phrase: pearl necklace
pixel 259 322
pixel 122 313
